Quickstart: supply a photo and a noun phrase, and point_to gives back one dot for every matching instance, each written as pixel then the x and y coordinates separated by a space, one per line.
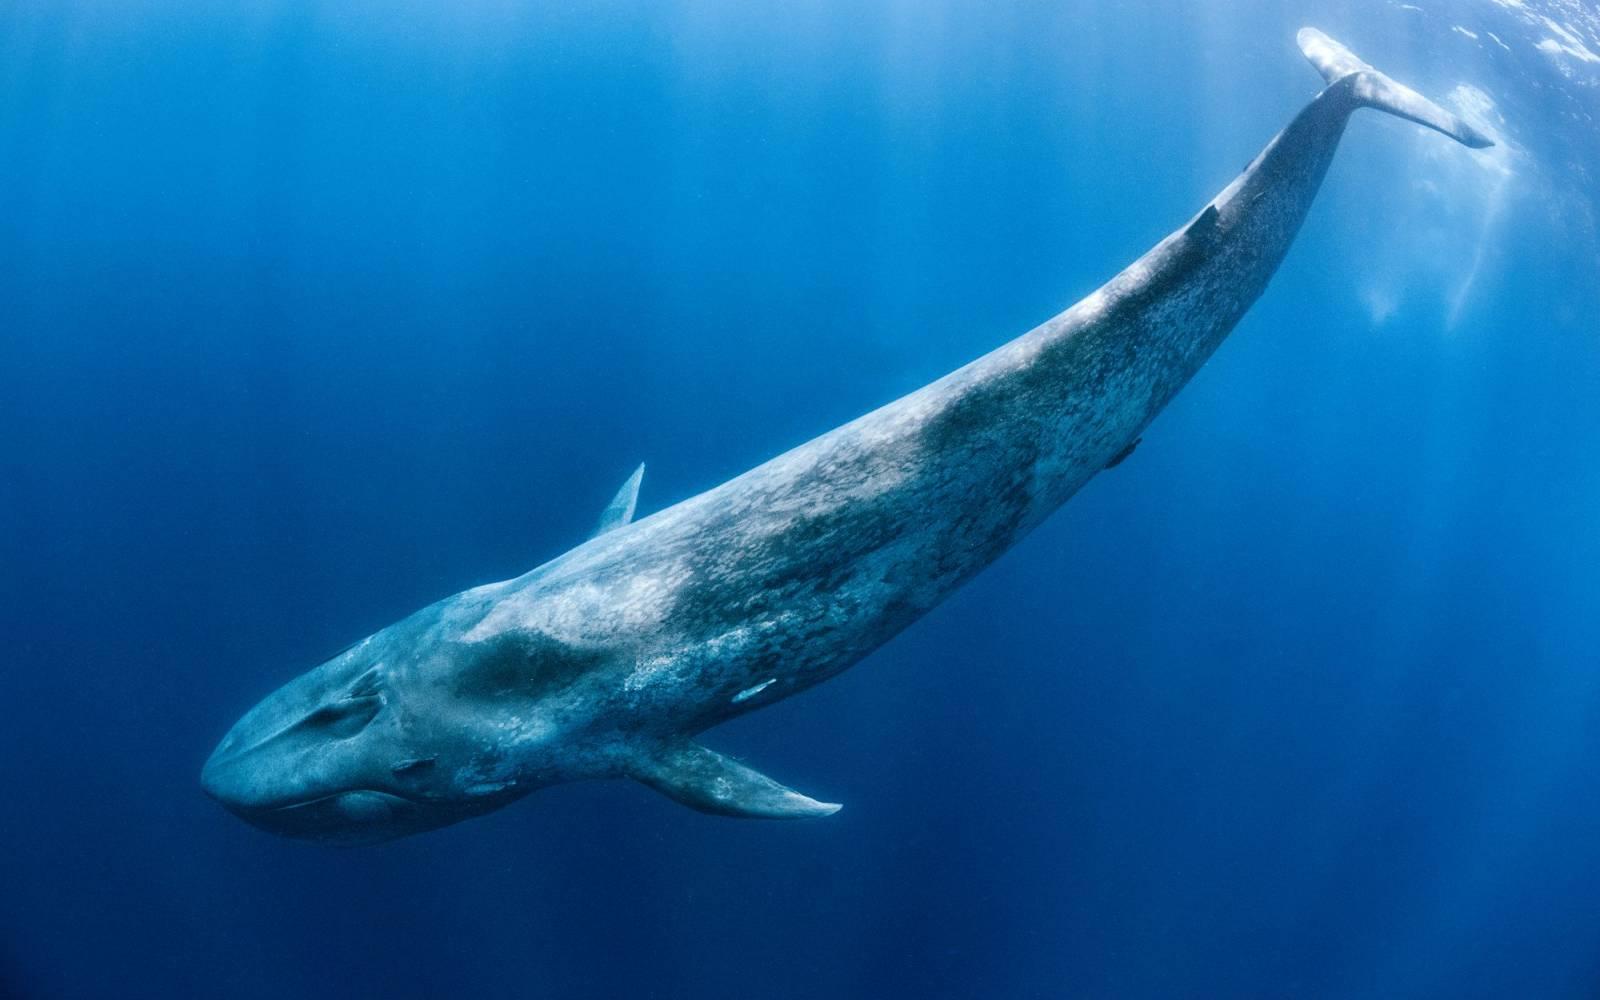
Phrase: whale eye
pixel 344 719
pixel 366 686
pixel 413 765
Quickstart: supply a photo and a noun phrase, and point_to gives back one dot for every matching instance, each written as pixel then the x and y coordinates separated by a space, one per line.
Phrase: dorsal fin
pixel 1204 225
pixel 620 510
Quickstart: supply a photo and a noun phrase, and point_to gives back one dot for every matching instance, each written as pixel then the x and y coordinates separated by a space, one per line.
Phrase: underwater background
pixel 312 313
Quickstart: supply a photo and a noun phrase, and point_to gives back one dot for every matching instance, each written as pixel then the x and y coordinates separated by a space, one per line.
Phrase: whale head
pixel 368 747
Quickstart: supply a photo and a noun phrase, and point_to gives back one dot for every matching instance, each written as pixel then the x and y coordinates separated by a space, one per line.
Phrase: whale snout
pixel 231 777
pixel 349 817
pixel 299 764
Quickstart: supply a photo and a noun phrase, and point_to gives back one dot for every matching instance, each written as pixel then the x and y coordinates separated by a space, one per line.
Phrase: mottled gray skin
pixel 605 661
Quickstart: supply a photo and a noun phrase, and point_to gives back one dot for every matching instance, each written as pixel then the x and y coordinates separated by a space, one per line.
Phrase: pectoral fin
pixel 712 783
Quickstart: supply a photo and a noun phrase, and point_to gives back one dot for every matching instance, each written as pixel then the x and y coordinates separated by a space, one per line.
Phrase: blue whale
pixel 610 660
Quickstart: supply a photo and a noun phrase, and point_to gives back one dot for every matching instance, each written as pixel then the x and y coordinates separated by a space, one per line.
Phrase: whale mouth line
pixel 335 796
pixel 351 817
pixel 322 815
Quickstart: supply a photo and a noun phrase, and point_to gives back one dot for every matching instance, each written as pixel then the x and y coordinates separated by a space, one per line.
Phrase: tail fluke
pixel 1374 90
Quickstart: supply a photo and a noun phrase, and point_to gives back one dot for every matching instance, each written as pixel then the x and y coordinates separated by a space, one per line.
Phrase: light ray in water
pixel 1494 174
pixel 1441 242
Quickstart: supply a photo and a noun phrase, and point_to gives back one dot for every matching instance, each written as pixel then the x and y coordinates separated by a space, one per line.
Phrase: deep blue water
pixel 313 313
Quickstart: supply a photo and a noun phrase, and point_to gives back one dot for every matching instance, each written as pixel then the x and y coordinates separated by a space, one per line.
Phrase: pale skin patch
pixel 751 692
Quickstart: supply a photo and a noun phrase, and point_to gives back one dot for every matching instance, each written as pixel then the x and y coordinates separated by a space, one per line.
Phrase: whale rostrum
pixel 610 660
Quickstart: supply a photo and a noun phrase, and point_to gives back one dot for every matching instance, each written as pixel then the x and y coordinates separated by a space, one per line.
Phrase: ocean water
pixel 313 313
